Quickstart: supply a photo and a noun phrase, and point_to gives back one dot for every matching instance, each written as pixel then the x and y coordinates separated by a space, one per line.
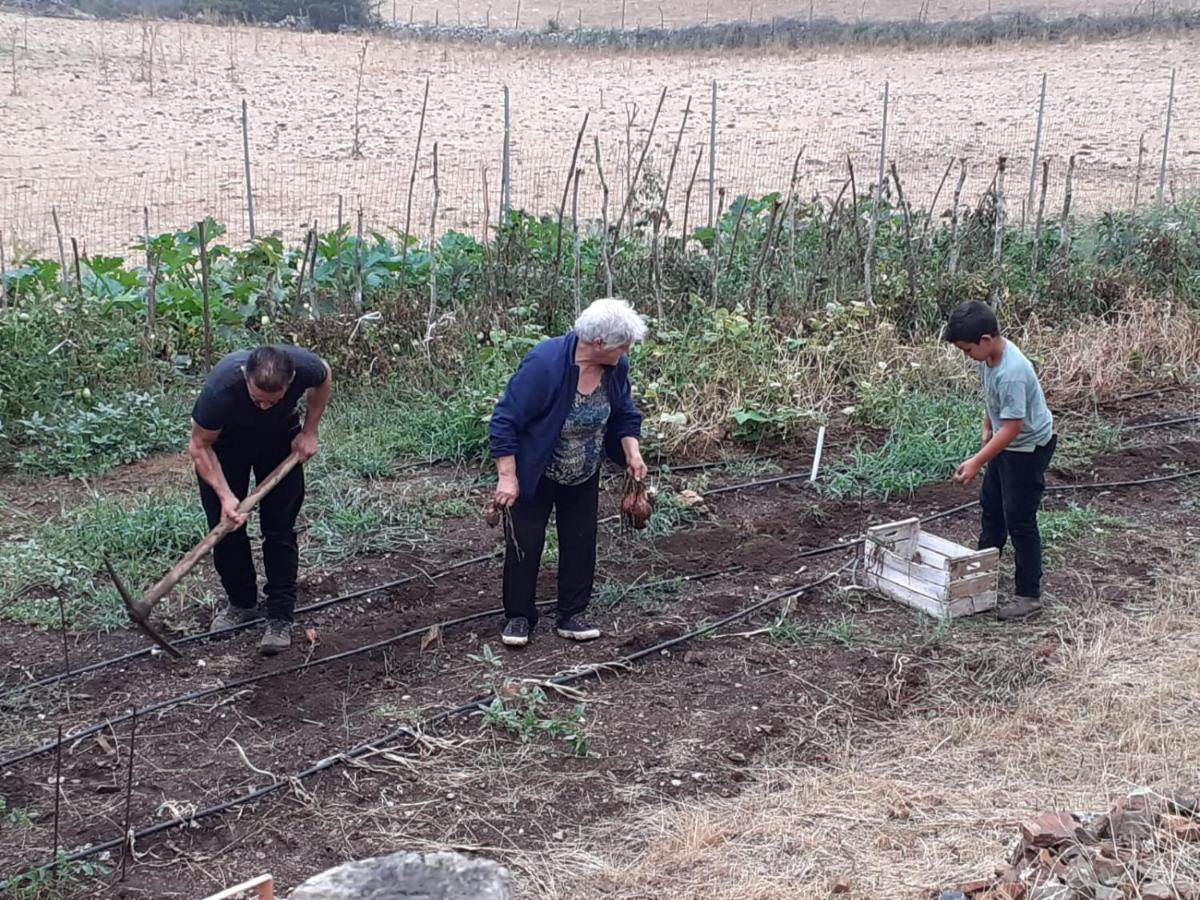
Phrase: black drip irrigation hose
pixel 204 693
pixel 414 733
pixel 234 629
pixel 319 605
pixel 1183 420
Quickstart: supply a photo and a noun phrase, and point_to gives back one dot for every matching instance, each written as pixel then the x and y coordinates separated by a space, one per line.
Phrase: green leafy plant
pixel 524 715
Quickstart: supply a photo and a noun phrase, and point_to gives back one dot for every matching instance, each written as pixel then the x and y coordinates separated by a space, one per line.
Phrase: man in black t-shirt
pixel 246 418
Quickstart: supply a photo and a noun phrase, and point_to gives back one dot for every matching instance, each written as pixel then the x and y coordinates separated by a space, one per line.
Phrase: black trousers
pixel 260 453
pixel 1012 492
pixel 576 510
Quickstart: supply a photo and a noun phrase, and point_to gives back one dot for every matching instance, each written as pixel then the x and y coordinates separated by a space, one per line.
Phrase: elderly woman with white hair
pixel 565 408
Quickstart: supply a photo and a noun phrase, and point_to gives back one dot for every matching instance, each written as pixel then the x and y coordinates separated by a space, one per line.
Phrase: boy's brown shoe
pixel 1019 608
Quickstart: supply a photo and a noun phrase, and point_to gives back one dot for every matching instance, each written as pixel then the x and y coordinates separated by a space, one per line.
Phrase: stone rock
pixel 951 895
pixel 410 876
pixel 1133 818
pixel 1052 891
pixel 841 886
pixel 1183 803
pixel 1108 893
pixel 1183 828
pixel 1156 890
pixel 1049 829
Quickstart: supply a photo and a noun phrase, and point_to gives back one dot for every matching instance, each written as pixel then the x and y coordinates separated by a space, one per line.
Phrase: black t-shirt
pixel 224 403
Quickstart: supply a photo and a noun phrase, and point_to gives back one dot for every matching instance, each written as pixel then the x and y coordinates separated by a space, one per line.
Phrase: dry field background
pixel 84 133
pixel 536 13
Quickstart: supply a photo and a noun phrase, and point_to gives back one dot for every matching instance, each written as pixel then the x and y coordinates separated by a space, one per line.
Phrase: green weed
pixel 63 882
pixel 1066 526
pixel 525 716
pixel 929 436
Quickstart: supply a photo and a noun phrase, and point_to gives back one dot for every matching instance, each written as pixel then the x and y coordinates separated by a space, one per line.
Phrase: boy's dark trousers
pixel 1012 492
pixel 575 507
pixel 278 510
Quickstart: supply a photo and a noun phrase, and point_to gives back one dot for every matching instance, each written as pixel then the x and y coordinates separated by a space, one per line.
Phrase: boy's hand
pixel 966 472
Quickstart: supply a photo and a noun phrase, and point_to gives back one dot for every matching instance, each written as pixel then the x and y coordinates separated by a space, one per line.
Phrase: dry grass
pixel 1103 358
pixel 937 801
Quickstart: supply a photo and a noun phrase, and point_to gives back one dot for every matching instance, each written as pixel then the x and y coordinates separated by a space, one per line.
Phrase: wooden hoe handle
pixel 223 528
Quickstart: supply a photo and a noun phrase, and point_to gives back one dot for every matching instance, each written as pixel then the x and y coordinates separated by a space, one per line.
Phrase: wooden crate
pixel 928 572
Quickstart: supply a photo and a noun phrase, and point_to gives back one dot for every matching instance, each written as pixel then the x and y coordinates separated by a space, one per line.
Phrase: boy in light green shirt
pixel 1018 443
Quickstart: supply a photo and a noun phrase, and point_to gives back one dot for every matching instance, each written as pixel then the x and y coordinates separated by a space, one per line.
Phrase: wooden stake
pixel 671 168
pixel 62 621
pixel 412 181
pixel 127 844
pixel 873 224
pixel 712 150
pixel 716 248
pixel 1162 172
pixel 687 199
pixel 575 231
pixel 505 178
pixel 78 273
pixel 1001 209
pixel 908 241
pixel 1137 182
pixel 642 160
pixel 562 207
pixel 1041 212
pixel 151 287
pixel 358 270
pixel 954 217
pixel 608 277
pixel 63 272
pixel 1037 145
pixel 437 194
pixel 1064 245
pixel 246 160
pixel 3 275
pixel 356 148
pixel 487 243
pixel 204 296
pixel 933 206
pixel 337 243
pixel 756 275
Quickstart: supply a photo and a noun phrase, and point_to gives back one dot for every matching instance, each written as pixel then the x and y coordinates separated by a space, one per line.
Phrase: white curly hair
pixel 611 321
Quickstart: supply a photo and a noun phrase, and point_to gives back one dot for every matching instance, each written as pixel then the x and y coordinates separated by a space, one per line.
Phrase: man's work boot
pixel 232 616
pixel 1019 608
pixel 277 637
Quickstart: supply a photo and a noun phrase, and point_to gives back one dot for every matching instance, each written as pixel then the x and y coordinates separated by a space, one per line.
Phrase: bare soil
pixel 695 721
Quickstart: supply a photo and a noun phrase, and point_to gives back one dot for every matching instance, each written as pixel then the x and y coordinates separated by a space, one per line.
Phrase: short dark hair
pixel 970 321
pixel 270 368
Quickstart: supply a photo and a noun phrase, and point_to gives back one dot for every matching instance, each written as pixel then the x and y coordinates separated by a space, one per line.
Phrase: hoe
pixel 139 610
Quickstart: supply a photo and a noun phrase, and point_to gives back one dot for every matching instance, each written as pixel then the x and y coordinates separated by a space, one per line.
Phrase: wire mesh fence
pixel 107 214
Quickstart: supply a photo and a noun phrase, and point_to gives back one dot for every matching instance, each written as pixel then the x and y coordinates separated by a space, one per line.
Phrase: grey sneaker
pixel 577 628
pixel 516 633
pixel 1019 608
pixel 277 637
pixel 232 616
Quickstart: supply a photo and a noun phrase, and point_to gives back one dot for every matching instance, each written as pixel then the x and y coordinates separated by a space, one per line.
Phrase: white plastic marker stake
pixel 817 454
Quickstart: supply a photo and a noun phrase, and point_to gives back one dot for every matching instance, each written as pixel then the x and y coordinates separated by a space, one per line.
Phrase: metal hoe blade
pixel 136 615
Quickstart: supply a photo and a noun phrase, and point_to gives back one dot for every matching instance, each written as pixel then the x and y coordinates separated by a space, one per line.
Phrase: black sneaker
pixel 277 637
pixel 516 633
pixel 232 616
pixel 577 628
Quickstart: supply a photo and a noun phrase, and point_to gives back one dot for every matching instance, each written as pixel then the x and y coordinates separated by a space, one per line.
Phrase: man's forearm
pixel 506 466
pixel 208 467
pixel 318 400
pixel 998 442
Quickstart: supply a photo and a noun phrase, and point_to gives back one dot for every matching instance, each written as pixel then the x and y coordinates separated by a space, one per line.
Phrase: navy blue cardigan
pixel 530 416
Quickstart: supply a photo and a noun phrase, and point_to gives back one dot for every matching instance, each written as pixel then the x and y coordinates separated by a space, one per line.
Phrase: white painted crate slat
pixel 927 572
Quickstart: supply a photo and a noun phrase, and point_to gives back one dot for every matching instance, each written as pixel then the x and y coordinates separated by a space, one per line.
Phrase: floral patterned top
pixel 580 447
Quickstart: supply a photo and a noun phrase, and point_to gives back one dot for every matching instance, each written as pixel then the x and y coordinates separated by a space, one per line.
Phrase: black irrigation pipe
pixel 322 604
pixel 414 733
pixel 1169 422
pixel 204 693
pixel 233 629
